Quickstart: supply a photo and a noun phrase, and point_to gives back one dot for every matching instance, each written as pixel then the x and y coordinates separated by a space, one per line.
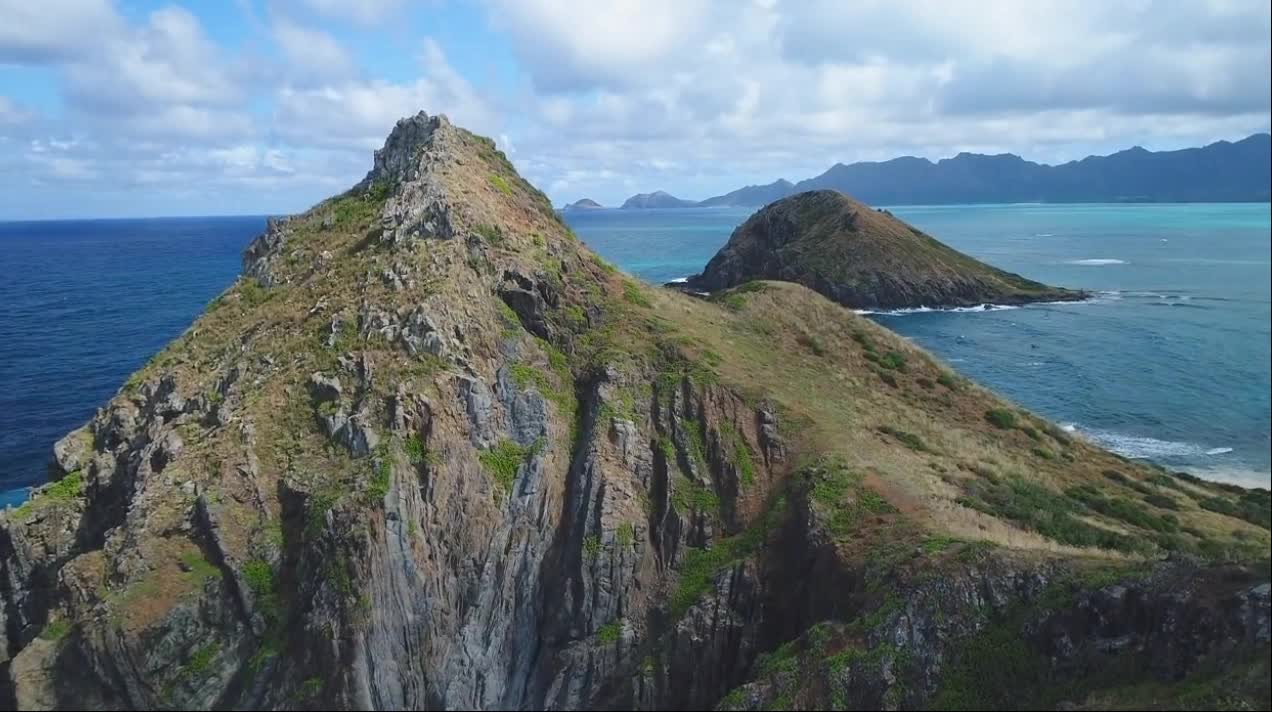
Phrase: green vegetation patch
pixel 500 184
pixel 309 689
pixel 937 544
pixel 259 576
pixel 893 361
pixel 741 457
pixel 316 508
pixel 688 496
pixel 525 376
pixel 699 567
pixel 1122 509
pixel 842 498
pixel 64 491
pixel 198 567
pixel 1001 418
pixel 1253 506
pixel 625 535
pixel 414 449
pixel 695 442
pixel 381 480
pixel 1162 501
pixel 633 295
pixel 782 660
pixel 1040 509
pixel 609 633
pixel 202 658
pixel 353 209
pixel 812 343
pixel 910 440
pixel 867 343
pixel 493 234
pixel 592 546
pixel 735 298
pixel 55 629
pixel 504 459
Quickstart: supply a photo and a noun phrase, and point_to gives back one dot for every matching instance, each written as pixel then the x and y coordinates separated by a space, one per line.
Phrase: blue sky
pixel 130 107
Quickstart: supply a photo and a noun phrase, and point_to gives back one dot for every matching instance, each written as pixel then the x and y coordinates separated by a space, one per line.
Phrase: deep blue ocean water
pixel 1171 361
pixel 83 304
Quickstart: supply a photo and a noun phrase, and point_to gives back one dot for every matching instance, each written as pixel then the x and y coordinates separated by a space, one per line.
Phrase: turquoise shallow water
pixel 1170 361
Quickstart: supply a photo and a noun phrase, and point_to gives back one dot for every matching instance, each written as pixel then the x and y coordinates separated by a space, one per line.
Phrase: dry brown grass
pixel 843 403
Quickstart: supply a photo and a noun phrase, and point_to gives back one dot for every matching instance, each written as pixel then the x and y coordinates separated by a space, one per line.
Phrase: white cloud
pixel 12 114
pixel 37 31
pixel 572 45
pixel 168 60
pixel 357 114
pixel 311 55
pixel 363 12
pixel 604 99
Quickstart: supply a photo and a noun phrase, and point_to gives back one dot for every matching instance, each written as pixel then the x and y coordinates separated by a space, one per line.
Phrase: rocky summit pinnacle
pixel 862 258
pixel 430 452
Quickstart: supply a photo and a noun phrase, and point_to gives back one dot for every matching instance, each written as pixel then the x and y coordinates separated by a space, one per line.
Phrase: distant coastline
pixel 1132 176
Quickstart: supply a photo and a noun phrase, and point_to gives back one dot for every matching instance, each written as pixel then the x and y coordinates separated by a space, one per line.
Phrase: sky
pixel 112 108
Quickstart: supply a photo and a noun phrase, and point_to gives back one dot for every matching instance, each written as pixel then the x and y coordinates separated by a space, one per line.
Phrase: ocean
pixel 1170 361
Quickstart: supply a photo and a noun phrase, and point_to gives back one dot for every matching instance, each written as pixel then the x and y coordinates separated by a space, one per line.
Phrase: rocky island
pixel 431 452
pixel 656 199
pixel 584 204
pixel 862 258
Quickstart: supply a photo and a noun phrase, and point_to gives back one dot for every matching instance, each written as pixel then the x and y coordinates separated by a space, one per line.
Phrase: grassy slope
pixel 923 436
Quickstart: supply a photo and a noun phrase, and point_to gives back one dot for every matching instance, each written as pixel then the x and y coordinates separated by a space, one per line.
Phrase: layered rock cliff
pixel 430 452
pixel 862 258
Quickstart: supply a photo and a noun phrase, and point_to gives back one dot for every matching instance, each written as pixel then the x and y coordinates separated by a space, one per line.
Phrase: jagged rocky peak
pixel 430 452
pixel 399 160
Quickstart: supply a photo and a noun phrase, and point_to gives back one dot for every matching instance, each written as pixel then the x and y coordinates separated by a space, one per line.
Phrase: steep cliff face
pixel 430 452
pixel 862 258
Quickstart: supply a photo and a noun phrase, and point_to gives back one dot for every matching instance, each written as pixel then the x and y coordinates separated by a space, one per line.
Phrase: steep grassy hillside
pixel 431 452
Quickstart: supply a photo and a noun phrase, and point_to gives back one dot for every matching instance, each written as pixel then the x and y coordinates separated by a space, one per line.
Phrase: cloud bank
pixel 268 107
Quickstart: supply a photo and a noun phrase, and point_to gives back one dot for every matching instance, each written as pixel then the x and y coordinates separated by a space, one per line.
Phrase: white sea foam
pixel 1045 234
pixel 1139 447
pixel 926 310
pixel 1096 262
pixel 1246 477
pixel 678 280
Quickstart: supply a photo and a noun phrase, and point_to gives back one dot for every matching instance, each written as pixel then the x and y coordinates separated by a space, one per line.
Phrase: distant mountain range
pixel 1221 172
